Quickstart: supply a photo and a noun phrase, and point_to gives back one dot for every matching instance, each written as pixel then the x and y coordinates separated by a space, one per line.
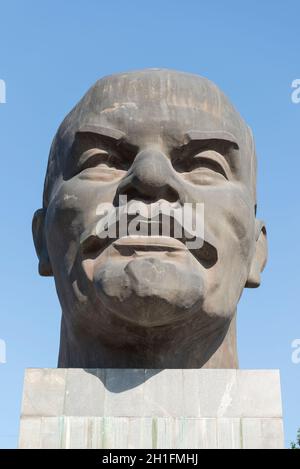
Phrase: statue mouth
pixel 92 246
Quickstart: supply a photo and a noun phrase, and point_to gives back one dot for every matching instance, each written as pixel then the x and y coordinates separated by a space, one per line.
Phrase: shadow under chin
pixel 120 380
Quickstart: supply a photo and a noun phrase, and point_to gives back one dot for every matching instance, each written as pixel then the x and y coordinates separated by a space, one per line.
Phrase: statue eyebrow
pixel 106 132
pixel 94 133
pixel 221 135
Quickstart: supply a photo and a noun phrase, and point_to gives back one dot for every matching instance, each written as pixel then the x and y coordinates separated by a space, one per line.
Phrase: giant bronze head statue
pixel 154 138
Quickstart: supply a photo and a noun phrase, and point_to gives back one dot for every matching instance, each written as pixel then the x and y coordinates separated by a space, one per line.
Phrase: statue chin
pixel 149 291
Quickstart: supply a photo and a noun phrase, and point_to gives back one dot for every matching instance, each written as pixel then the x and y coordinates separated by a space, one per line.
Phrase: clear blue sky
pixel 51 52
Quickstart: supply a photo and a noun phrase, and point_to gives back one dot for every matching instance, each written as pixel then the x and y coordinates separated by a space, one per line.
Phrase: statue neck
pixel 217 349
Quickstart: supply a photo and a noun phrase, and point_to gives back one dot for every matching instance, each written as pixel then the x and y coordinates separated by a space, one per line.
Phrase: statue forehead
pixel 157 101
pixel 174 88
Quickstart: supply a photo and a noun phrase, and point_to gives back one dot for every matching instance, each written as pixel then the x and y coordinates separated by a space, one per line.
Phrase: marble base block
pixel 141 408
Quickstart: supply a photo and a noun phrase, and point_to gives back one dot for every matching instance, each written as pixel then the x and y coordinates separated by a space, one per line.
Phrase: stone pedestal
pixel 137 408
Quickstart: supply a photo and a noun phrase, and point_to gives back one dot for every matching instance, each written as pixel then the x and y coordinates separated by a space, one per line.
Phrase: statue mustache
pixel 185 223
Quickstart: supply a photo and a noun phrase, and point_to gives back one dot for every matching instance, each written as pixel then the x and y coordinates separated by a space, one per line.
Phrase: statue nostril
pixel 134 194
pixel 150 194
pixel 170 194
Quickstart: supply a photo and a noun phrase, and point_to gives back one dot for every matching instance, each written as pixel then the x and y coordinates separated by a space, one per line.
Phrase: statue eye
pixel 204 167
pixel 96 158
pixel 202 162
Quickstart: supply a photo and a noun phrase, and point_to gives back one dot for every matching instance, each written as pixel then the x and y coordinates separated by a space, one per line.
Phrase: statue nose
pixel 151 177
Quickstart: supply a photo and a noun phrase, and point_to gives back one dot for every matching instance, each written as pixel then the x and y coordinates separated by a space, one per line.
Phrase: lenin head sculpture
pixel 152 137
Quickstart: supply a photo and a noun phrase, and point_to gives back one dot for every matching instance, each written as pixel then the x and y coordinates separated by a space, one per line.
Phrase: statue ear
pixel 260 255
pixel 39 239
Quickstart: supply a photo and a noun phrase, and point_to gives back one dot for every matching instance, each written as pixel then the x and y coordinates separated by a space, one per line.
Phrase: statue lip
pixel 150 243
pixel 207 255
pixel 92 246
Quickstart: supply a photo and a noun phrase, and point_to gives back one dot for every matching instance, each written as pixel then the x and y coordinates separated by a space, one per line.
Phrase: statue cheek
pixel 63 223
